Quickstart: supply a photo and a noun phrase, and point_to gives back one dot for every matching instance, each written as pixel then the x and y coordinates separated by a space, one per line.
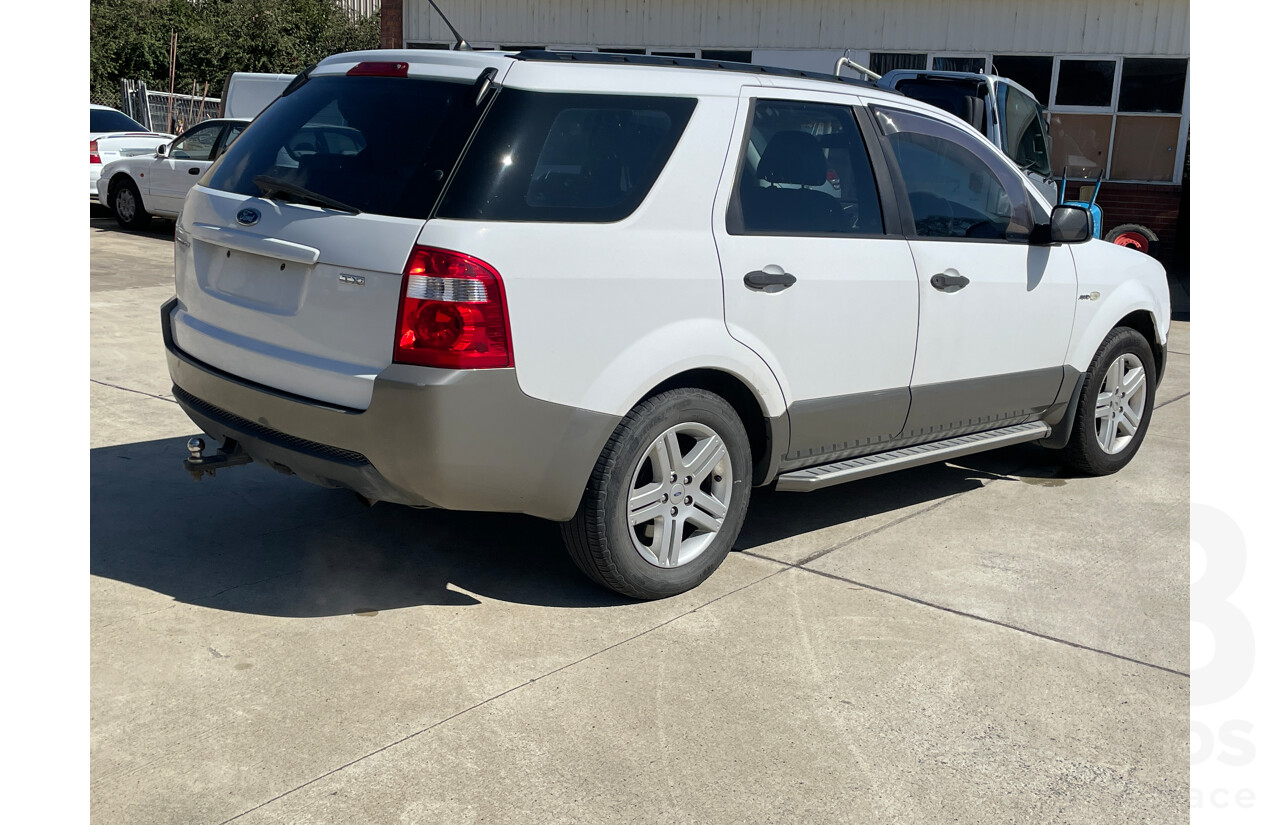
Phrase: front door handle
pixel 949 281
pixel 772 278
pixel 194 170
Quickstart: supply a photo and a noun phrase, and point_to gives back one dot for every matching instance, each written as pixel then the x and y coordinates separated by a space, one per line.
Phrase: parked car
pixel 137 188
pixel 618 292
pixel 114 135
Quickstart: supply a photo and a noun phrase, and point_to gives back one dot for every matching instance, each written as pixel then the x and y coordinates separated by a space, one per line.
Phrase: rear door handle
pixel 194 170
pixel 772 278
pixel 949 281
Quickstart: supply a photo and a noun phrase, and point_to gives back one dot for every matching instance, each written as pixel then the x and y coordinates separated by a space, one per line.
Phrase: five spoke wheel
pixel 1122 399
pixel 679 495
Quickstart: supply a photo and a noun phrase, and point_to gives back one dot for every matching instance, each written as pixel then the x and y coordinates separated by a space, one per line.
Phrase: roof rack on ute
pixel 684 63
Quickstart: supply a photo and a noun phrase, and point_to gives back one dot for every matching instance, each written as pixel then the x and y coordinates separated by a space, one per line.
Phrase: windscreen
pixel 378 144
pixel 109 120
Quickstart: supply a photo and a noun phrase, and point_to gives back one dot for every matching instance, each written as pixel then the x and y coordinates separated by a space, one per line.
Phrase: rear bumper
pixel 455 439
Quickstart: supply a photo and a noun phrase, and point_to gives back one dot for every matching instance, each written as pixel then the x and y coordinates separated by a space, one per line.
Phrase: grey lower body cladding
pixel 456 439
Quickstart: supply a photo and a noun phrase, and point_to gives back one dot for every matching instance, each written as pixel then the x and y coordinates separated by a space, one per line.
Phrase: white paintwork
pixel 274 310
pixel 248 93
pixel 855 299
pixel 1126 281
pixel 162 182
pixel 112 146
pixel 602 313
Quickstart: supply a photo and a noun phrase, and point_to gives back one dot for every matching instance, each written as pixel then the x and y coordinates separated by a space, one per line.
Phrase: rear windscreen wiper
pixel 271 186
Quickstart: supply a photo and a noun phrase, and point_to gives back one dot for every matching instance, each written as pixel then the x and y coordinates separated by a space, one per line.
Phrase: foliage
pixel 130 39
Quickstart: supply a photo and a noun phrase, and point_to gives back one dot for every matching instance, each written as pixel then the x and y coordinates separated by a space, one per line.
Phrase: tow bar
pixel 230 454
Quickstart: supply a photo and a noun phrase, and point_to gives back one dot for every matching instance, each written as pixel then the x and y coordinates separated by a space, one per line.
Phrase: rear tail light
pixel 453 313
pixel 93 152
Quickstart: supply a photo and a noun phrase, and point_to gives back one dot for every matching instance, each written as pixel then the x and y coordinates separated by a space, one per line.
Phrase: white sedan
pixel 137 188
pixel 113 135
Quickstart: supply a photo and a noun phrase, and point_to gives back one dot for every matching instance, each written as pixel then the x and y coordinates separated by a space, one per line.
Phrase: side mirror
pixel 162 150
pixel 1067 224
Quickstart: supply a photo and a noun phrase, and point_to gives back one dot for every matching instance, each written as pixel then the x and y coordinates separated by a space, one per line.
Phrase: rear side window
pixel 109 120
pixel 565 157
pixel 804 171
pixel 381 144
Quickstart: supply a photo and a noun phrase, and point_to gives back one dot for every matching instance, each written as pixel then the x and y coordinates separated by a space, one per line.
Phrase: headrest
pixel 795 158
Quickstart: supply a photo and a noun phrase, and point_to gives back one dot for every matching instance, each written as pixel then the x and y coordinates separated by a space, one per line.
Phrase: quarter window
pixel 804 171
pixel 565 157
pixel 956 188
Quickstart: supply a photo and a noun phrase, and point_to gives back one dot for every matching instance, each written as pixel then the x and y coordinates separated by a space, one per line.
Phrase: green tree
pixel 130 39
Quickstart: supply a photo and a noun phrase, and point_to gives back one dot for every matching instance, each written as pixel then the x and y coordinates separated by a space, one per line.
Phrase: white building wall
pixel 1141 27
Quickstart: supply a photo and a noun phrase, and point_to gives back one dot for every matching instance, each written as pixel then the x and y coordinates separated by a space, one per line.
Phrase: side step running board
pixel 815 478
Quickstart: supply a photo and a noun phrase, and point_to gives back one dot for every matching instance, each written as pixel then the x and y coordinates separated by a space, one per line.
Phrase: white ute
pixel 619 292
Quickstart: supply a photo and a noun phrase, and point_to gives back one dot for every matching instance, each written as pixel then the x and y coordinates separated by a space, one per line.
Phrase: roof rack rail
pixel 683 63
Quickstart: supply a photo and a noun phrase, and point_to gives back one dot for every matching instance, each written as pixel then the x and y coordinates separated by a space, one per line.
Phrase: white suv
pixel 620 291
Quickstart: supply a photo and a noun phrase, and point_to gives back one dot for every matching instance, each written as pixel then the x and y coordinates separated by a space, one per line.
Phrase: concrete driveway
pixel 987 641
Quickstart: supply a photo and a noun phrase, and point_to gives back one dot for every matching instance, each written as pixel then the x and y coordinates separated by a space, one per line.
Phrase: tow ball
pixel 230 454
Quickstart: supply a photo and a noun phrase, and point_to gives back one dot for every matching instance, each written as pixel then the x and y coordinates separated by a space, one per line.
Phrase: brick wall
pixel 1155 207
pixel 392 36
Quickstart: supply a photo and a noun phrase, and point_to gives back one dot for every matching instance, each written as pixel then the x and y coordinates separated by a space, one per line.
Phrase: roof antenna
pixel 461 45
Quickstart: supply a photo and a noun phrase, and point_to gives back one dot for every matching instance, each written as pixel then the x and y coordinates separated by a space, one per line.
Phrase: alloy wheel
pixel 679 495
pixel 1122 400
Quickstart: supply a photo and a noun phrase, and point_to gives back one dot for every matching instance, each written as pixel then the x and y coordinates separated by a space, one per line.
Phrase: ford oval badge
pixel 248 217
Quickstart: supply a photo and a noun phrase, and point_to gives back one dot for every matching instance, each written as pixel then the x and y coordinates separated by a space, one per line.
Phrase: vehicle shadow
pixel 774 516
pixel 254 541
pixel 102 218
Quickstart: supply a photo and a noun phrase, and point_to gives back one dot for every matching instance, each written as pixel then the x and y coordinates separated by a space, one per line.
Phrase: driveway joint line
pixel 1171 400
pixel 127 389
pixel 509 690
pixel 976 617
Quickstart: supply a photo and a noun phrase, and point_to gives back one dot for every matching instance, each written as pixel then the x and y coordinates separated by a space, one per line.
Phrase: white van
pixel 245 94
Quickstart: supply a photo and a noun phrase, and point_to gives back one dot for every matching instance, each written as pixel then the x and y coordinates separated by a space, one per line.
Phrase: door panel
pixel 189 156
pixel 798 203
pixel 995 312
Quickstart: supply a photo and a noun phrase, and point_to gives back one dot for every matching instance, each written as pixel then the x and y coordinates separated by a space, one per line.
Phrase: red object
pixel 379 68
pixel 1135 240
pixel 453 313
pixel 93 152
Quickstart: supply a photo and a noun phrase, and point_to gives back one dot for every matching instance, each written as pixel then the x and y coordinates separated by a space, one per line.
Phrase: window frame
pixel 907 218
pixel 217 128
pixel 886 194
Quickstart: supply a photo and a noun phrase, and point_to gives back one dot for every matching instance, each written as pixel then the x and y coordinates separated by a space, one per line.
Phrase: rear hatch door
pixel 291 249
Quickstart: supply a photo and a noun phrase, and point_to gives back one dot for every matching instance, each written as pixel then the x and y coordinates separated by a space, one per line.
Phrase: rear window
pixel 381 144
pixel 565 157
pixel 109 120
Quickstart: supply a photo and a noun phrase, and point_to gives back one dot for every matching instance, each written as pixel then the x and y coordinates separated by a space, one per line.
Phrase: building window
pixel 1035 73
pixel 727 55
pixel 944 63
pixel 885 62
pixel 1085 83
pixel 1152 85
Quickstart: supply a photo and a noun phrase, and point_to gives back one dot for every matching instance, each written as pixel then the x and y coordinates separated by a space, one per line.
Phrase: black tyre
pixel 1135 236
pixel 667 497
pixel 126 203
pixel 1116 403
